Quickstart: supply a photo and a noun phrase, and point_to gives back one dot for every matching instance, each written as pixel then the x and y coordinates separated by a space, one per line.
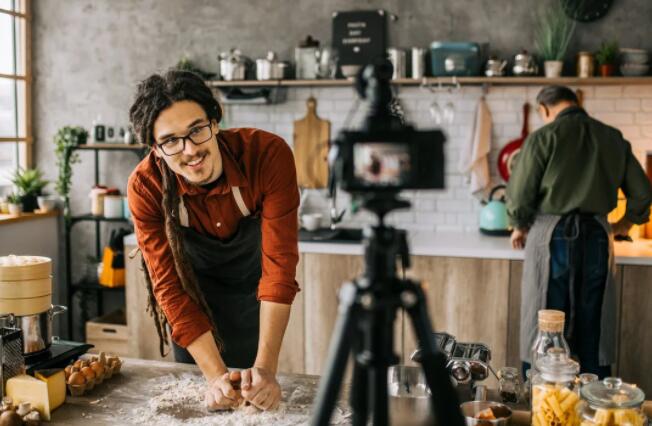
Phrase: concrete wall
pixel 89 55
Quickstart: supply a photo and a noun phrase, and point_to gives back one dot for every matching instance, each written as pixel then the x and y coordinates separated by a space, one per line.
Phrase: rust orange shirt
pixel 261 164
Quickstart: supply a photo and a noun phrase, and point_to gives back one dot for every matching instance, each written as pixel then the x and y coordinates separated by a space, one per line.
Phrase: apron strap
pixel 239 201
pixel 237 196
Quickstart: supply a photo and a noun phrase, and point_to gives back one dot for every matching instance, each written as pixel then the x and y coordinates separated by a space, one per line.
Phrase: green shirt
pixel 576 163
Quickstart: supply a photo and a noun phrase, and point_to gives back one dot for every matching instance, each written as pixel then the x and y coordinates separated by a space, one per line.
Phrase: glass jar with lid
pixel 555 394
pixel 509 384
pixel 611 402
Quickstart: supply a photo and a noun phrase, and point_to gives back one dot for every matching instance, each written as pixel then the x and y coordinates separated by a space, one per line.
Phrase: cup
pixel 311 221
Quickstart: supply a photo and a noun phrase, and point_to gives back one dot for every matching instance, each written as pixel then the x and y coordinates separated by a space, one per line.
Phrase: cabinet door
pixel 292 355
pixel 324 274
pixel 467 298
pixel 635 348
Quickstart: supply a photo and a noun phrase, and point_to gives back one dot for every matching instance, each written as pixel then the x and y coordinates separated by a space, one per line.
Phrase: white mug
pixel 311 221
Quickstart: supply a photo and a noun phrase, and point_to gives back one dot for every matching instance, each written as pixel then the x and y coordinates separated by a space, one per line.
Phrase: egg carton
pixel 110 366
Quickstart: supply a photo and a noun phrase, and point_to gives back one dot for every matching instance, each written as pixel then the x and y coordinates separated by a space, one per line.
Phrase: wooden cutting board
pixel 311 138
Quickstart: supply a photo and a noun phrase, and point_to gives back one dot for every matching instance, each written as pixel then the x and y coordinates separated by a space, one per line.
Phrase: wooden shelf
pixel 111 147
pixel 498 81
pixel 23 217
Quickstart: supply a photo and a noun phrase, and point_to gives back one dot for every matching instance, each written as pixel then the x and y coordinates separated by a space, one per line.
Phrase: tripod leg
pixel 444 398
pixel 338 354
pixel 359 397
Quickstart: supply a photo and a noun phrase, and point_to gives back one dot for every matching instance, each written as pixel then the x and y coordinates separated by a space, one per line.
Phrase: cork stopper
pixel 551 321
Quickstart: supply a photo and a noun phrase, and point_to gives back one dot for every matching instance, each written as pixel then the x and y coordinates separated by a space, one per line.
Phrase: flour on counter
pixel 180 401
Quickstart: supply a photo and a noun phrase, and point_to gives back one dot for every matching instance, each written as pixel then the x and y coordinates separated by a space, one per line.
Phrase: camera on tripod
pixel 385 155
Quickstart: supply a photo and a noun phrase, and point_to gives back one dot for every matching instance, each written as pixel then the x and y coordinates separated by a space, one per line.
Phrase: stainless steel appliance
pixel 36 328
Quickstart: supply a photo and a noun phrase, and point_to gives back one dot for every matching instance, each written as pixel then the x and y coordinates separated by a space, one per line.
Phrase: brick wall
pixel 628 108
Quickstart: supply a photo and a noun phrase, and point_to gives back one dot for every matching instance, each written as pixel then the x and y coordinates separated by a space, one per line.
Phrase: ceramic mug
pixel 311 221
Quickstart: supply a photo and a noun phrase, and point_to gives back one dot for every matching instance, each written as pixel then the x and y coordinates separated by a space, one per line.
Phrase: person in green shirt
pixel 564 184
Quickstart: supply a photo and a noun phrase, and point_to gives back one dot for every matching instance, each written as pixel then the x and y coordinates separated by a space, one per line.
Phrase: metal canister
pixel 418 62
pixel 397 58
pixel 585 65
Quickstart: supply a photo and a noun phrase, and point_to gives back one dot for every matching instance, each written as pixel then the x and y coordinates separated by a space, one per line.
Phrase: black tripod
pixel 365 328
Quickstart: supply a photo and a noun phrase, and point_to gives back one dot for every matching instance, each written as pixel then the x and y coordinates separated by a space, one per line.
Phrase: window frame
pixel 23 11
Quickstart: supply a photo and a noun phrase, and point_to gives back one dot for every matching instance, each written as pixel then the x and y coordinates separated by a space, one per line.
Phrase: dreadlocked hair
pixel 155 94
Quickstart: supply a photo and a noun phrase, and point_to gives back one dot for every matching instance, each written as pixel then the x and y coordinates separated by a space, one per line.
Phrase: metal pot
pixel 525 64
pixel 37 328
pixel 269 68
pixel 471 409
pixel 495 68
pixel 233 65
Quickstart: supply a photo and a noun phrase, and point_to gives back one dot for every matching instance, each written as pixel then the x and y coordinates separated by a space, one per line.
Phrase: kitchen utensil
pixel 12 362
pixel 443 341
pixel 493 216
pixel 233 65
pixel 409 396
pixel 495 67
pixel 19 268
pixel 471 409
pixel 36 328
pixel 418 62
pixel 509 153
pixel 305 58
pixel 469 362
pixel 455 58
pixel 525 64
pixel 397 58
pixel 311 137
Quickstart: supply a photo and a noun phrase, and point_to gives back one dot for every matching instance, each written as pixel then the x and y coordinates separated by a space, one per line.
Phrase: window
pixel 15 89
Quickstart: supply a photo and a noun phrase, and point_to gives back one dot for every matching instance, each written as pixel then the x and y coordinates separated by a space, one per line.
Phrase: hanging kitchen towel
pixel 474 158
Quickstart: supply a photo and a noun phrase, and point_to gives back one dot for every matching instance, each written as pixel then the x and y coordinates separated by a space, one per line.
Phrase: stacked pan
pixel 26 299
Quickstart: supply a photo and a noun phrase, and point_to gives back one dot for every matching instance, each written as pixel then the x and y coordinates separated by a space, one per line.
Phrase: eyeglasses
pixel 197 135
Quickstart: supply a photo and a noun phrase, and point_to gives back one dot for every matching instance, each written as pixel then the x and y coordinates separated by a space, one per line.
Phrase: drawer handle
pixel 109 330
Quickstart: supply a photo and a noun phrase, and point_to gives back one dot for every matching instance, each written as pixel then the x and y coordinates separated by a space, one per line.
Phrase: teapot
pixel 525 64
pixel 495 67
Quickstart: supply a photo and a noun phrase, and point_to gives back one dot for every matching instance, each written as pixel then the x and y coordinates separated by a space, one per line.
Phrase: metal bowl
pixel 472 408
pixel 409 396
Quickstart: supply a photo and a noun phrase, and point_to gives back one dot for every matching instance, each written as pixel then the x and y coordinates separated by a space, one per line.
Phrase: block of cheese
pixel 45 393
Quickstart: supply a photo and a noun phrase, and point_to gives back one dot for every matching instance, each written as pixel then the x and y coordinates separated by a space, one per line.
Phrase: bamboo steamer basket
pixel 22 268
pixel 26 306
pixel 25 289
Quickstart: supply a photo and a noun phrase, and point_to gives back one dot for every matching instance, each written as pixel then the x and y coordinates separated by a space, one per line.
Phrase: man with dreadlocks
pixel 215 214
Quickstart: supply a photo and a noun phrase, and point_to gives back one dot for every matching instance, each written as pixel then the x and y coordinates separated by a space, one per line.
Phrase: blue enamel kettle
pixel 493 216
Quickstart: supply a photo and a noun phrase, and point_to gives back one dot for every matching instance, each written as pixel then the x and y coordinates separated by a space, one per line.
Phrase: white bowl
pixel 311 222
pixel 634 56
pixel 634 70
pixel 46 203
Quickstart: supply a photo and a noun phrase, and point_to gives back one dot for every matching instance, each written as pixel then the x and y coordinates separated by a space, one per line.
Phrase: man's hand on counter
pixel 622 227
pixel 518 238
pixel 221 395
pixel 260 387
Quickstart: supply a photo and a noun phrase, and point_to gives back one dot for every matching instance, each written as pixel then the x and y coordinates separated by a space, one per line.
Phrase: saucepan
pixel 471 411
pixel 37 328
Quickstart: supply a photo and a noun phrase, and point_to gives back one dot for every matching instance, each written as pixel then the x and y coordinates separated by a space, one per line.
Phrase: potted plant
pixel 607 56
pixel 66 139
pixel 553 35
pixel 15 203
pixel 29 185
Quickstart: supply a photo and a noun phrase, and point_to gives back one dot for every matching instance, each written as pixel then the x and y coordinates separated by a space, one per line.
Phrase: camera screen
pixel 381 164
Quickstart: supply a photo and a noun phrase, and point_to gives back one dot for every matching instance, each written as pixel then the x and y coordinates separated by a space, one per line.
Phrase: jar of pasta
pixel 555 393
pixel 611 402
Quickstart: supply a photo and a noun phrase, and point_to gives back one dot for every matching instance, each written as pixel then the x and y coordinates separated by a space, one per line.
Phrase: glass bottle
pixel 550 335
pixel 555 392
pixel 509 384
pixel 611 402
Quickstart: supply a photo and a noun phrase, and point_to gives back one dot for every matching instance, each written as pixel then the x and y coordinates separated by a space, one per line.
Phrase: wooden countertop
pixel 23 217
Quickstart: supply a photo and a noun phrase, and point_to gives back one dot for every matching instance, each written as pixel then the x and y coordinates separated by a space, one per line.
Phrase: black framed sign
pixel 359 36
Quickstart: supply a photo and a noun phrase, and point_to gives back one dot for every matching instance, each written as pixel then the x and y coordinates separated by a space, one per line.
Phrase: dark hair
pixel 158 92
pixel 552 95
pixel 155 94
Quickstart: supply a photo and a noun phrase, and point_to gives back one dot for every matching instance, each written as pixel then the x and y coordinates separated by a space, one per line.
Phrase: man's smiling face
pixel 199 162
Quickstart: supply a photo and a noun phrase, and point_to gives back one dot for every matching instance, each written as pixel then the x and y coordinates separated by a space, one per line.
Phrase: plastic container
pixel 455 58
pixel 555 391
pixel 113 206
pixel 611 402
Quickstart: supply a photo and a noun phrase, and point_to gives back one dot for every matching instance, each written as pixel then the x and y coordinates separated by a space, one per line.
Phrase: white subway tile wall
pixel 628 108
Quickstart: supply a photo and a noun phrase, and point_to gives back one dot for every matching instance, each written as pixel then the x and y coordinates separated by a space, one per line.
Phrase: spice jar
pixel 611 402
pixel 554 390
pixel 509 384
pixel 97 200
pixel 585 65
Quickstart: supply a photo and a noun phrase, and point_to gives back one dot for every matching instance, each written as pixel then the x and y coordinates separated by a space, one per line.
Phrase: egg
pixel 10 418
pixel 76 379
pixel 98 368
pixel 88 373
pixel 77 363
pixel 68 371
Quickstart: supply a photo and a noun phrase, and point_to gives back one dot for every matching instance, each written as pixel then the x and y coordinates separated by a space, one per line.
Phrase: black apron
pixel 228 273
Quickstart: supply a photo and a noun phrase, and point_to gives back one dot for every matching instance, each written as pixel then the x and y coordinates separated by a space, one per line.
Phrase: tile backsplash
pixel 628 108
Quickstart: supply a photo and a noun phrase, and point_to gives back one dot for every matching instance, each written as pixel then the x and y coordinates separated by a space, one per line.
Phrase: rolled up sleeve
pixel 185 317
pixel 637 190
pixel 279 224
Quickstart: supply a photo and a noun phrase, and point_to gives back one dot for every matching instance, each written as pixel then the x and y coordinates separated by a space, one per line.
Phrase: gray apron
pixel 228 273
pixel 534 289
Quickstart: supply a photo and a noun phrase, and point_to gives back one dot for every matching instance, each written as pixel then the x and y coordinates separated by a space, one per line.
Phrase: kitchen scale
pixel 58 355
